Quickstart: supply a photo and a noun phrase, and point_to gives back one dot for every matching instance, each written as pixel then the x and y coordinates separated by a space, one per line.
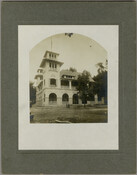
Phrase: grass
pixel 74 114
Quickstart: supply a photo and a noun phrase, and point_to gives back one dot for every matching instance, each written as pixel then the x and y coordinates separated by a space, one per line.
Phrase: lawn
pixel 74 114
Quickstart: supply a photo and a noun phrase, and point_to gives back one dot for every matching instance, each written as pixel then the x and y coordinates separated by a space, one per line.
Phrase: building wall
pixel 42 96
pixel 59 93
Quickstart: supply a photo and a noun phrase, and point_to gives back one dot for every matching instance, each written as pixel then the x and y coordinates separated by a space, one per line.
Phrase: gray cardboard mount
pixel 122 161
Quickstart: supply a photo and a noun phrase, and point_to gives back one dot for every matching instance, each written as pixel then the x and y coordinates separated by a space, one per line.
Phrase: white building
pixel 55 87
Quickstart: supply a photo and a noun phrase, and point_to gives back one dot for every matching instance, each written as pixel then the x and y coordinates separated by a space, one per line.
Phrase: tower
pixel 50 92
pixel 51 70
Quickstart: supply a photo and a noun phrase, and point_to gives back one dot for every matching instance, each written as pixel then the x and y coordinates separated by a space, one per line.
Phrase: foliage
pixel 32 93
pixel 85 87
pixel 100 84
pixel 72 69
pixel 101 67
pixel 88 89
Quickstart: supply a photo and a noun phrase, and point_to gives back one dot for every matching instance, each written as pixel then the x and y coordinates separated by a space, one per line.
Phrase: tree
pixel 72 69
pixel 100 84
pixel 101 67
pixel 32 93
pixel 84 87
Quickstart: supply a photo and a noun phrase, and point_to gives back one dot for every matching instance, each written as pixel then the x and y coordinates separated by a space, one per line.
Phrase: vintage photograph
pixel 68 87
pixel 68 80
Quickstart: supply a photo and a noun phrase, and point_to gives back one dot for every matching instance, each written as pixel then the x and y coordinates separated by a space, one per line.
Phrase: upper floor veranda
pixel 65 84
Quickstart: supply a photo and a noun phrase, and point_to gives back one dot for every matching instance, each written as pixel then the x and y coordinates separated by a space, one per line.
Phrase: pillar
pixel 102 100
pixel 70 101
pixel 88 102
pixel 46 102
pixel 69 84
pixel 80 101
pixel 59 83
pixel 96 99
pixel 59 101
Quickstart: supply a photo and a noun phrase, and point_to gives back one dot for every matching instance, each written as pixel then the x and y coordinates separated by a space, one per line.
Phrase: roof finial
pixel 69 34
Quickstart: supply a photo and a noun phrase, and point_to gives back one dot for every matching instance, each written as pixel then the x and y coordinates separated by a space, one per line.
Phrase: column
pixel 59 83
pixel 102 100
pixel 96 99
pixel 46 103
pixel 59 101
pixel 80 101
pixel 69 84
pixel 70 101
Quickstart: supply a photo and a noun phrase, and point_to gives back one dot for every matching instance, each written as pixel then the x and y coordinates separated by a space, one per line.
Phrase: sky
pixel 77 51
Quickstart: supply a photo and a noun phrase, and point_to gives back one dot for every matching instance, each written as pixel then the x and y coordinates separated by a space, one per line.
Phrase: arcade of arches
pixel 65 98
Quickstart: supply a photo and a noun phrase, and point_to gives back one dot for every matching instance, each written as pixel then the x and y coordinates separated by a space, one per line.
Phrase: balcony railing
pixel 67 87
pixel 64 87
pixel 73 88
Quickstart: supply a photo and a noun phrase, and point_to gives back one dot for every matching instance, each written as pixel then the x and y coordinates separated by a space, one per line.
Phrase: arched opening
pixel 75 99
pixel 52 99
pixel 65 98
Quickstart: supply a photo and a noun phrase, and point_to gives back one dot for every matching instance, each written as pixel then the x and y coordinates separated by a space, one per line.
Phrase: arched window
pixel 65 98
pixel 53 82
pixel 52 98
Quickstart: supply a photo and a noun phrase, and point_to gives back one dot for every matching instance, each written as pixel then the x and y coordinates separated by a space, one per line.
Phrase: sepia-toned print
pixel 68 80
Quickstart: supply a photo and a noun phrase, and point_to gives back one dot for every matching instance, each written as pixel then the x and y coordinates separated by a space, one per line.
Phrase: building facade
pixel 55 87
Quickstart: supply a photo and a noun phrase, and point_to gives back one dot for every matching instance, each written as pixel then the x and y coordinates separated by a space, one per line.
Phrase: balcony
pixel 67 87
pixel 73 88
pixel 64 87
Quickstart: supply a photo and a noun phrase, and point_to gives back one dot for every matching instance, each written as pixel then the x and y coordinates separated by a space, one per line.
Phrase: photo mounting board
pixel 122 161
